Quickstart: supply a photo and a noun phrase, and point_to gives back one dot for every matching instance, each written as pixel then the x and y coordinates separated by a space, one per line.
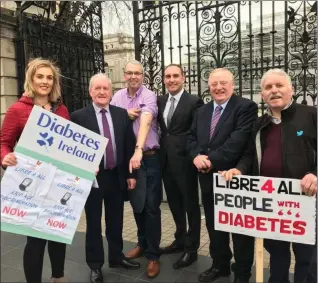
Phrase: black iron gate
pixel 248 37
pixel 71 36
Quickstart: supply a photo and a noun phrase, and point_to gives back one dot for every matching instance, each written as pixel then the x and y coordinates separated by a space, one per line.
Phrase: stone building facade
pixel 118 49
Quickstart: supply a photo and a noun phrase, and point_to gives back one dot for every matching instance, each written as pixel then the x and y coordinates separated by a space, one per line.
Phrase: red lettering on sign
pixel 283 226
pixel 294 204
pixel 273 222
pixel 260 223
pixel 14 211
pixel 238 221
pixel 268 186
pixel 56 224
pixel 249 221
pixel 299 227
pixel 223 217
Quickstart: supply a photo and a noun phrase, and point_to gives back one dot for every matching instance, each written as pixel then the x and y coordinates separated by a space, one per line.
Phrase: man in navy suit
pixel 216 141
pixel 113 177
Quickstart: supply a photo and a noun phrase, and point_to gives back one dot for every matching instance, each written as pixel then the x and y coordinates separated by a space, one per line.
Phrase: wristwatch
pixel 138 147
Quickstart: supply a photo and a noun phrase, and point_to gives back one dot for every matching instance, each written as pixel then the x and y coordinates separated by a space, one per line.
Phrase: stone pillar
pixel 8 72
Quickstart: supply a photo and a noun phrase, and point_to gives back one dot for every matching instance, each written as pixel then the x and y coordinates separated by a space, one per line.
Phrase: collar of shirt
pixel 274 119
pixel 223 105
pixel 138 92
pixel 98 109
pixel 176 96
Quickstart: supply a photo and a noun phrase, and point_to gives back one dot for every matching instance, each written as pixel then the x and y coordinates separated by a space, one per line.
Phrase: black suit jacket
pixel 173 141
pixel 124 137
pixel 229 139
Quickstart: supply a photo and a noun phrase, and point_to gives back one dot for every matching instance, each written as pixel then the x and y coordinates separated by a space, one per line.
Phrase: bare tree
pixel 117 15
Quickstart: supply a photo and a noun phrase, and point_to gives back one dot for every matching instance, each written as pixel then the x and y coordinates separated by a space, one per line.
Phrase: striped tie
pixel 110 157
pixel 215 118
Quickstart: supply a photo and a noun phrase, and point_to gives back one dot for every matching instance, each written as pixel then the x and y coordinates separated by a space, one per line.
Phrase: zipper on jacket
pixel 260 146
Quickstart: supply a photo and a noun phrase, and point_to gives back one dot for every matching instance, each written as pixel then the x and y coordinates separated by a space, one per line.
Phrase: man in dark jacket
pixel 216 141
pixel 113 177
pixel 284 146
pixel 175 114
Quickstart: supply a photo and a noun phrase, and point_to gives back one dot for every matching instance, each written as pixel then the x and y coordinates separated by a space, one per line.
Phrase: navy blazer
pixel 124 137
pixel 230 137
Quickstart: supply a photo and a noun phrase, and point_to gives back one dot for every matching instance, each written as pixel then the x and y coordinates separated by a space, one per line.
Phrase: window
pixel 106 69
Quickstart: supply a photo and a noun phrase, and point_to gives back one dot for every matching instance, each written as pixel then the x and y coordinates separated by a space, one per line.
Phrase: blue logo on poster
pixel 45 140
pixel 69 136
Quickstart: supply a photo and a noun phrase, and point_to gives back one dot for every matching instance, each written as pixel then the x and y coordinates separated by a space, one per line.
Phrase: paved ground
pixel 77 271
pixel 168 229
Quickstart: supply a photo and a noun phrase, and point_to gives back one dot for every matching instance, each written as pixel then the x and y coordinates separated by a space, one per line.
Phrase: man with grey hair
pixel 141 104
pixel 216 141
pixel 285 145
pixel 113 177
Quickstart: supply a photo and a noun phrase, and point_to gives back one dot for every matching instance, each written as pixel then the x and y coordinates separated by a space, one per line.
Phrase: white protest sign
pixel 23 190
pixel 270 208
pixel 62 208
pixel 44 195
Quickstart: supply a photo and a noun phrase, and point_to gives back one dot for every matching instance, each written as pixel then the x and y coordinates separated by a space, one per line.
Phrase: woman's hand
pixel 9 160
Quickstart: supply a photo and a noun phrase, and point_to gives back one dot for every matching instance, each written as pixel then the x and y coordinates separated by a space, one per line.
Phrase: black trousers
pixel 312 272
pixel 33 259
pixel 110 193
pixel 183 199
pixel 243 246
pixel 280 257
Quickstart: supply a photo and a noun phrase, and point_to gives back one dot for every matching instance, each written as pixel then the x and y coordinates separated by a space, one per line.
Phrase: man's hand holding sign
pixel 308 183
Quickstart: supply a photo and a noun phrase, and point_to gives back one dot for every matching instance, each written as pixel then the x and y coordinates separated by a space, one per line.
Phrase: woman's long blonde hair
pixel 33 65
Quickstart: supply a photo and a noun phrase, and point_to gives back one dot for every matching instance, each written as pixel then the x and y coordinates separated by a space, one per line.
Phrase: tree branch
pixel 127 6
pixel 117 13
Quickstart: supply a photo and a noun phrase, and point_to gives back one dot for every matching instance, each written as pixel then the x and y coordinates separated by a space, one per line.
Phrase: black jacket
pixel 173 141
pixel 299 143
pixel 124 137
pixel 230 138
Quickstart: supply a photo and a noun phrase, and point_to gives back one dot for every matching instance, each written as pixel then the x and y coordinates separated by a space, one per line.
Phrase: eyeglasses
pixel 133 73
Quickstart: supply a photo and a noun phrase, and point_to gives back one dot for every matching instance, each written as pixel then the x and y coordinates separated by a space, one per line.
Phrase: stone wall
pixel 8 72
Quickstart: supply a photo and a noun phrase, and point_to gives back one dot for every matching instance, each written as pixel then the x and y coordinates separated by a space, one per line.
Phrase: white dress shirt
pixel 177 99
pixel 101 129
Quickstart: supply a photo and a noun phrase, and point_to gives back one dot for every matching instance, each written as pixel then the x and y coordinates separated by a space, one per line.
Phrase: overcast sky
pixel 124 23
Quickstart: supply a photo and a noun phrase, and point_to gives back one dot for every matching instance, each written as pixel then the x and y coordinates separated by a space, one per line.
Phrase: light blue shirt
pixel 101 129
pixel 222 105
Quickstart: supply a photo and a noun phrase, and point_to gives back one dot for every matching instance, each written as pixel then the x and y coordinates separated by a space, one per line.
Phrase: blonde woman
pixel 42 88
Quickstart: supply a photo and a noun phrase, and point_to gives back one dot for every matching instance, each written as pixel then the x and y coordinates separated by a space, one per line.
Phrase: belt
pixel 149 152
